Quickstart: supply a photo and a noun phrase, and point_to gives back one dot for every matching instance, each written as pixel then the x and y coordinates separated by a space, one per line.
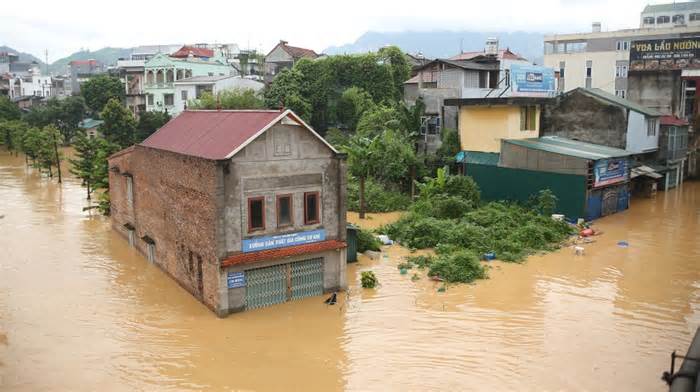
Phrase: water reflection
pixel 79 309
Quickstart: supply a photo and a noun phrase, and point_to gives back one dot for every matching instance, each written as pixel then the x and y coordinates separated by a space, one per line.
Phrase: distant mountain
pixel 23 57
pixel 107 56
pixel 441 44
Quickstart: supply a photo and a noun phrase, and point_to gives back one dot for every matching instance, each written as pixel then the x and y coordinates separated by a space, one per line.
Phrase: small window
pixel 183 95
pixel 651 127
pixel 649 20
pixel 680 19
pixel 256 213
pixel 621 71
pixel 168 99
pixel 694 17
pixel 528 118
pixel 130 190
pixel 150 99
pixel 151 252
pixel 562 67
pixel 311 208
pixel 284 210
pixel 663 19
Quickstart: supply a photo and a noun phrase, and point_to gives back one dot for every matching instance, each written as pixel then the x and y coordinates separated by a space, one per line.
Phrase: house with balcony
pixel 242 208
pixel 162 71
pixel 489 74
pixel 673 150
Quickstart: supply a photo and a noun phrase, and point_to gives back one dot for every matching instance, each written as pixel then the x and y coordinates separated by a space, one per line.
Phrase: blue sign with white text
pixel 283 240
pixel 235 279
pixel 532 80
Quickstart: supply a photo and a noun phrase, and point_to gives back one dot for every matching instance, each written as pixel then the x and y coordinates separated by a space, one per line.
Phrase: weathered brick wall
pixel 578 116
pixel 175 205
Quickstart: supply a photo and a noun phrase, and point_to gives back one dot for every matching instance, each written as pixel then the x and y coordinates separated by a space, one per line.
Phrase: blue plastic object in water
pixel 623 244
pixel 489 256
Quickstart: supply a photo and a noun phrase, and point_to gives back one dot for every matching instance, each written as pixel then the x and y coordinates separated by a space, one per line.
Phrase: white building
pixel 672 14
pixel 600 59
pixel 191 89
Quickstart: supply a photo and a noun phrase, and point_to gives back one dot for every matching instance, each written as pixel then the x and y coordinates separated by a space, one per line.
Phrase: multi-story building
pixel 243 209
pixel 162 71
pixel 489 74
pixel 600 59
pixel 82 70
pixel 191 89
pixel 659 16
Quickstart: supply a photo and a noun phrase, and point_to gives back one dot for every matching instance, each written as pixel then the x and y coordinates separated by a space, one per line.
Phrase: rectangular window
pixel 169 99
pixel 311 208
pixel 256 213
pixel 620 93
pixel 528 118
pixel 621 71
pixel 151 252
pixel 150 99
pixel 562 66
pixel 183 95
pixel 130 190
pixel 651 127
pixel 284 210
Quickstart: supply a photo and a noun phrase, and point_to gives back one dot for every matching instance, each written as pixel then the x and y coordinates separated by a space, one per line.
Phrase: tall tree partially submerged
pixel 119 125
pixel 64 114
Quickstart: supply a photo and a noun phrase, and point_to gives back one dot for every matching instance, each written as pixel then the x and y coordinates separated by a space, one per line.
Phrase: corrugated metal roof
pixel 575 148
pixel 90 123
pixel 197 52
pixel 480 158
pixel 673 120
pixel 614 99
pixel 210 134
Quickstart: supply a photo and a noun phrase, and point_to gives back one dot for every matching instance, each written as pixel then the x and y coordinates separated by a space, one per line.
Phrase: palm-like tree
pixel 360 150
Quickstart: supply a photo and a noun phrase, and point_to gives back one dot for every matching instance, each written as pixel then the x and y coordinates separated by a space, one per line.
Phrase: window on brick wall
pixel 256 213
pixel 311 208
pixel 130 190
pixel 284 210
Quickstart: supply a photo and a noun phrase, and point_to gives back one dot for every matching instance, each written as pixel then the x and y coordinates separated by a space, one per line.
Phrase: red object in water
pixel 586 232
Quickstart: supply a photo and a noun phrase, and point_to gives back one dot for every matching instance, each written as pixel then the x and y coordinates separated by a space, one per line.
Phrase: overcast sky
pixel 64 27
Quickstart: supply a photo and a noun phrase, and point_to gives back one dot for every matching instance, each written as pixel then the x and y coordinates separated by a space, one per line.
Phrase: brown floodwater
pixel 80 310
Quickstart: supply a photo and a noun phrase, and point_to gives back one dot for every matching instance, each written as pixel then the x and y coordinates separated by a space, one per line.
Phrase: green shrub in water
pixel 367 241
pixel 368 280
pixel 461 266
pixel 378 198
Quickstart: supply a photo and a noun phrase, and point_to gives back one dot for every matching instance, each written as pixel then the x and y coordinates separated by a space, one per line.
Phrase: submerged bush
pixel 367 241
pixel 368 280
pixel 378 198
pixel 462 266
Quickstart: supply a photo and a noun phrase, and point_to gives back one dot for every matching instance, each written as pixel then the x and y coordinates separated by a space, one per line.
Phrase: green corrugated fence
pixel 502 183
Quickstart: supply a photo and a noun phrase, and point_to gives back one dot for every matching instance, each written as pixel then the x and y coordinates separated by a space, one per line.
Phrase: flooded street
pixel 81 310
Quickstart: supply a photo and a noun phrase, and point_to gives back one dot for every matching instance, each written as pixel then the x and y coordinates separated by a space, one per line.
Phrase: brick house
pixel 242 208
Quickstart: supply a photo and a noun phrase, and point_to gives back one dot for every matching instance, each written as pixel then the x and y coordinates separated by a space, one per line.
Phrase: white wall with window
pixel 642 133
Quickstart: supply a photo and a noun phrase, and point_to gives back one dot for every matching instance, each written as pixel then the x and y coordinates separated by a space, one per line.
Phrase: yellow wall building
pixel 483 123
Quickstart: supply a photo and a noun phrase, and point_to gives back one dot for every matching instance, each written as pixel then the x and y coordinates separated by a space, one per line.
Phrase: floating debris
pixel 623 244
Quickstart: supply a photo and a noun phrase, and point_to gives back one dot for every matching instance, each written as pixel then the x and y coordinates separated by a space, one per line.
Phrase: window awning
pixel 644 171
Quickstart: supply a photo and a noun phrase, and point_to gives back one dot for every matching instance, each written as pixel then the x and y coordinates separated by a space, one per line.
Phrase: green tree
pixel 12 133
pixel 119 125
pixel 149 122
pixel 353 103
pixel 450 145
pixel 399 67
pixel 99 90
pixel 101 173
pixel 379 119
pixel 45 143
pixel 361 150
pixel 412 117
pixel 8 110
pixel 285 91
pixel 83 165
pixel 64 114
pixel 229 99
pixel 392 158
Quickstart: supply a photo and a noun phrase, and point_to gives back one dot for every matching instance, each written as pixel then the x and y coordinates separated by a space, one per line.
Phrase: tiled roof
pixel 574 148
pixel 295 51
pixel 673 120
pixel 281 253
pixel 615 100
pixel 196 52
pixel 210 134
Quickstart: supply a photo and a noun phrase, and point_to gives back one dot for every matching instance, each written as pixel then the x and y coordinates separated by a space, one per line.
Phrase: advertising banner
pixel 665 54
pixel 283 240
pixel 531 80
pixel 610 171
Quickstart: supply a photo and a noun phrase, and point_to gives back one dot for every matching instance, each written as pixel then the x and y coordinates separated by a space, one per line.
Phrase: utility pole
pixel 58 161
pixel 46 61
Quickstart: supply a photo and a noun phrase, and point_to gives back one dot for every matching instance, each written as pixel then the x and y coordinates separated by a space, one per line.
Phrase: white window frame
pixel 651 127
pixel 130 190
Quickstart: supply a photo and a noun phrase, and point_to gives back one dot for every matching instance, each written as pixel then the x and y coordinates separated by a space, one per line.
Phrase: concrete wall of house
pixel 602 69
pixel 638 138
pixel 175 202
pixel 451 78
pixel 481 128
pixel 581 117
pixel 519 157
pixel 278 55
pixel 656 90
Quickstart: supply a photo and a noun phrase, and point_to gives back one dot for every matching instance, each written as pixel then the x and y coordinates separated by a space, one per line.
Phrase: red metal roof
pixel 196 52
pixel 673 120
pixel 83 62
pixel 210 134
pixel 274 254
